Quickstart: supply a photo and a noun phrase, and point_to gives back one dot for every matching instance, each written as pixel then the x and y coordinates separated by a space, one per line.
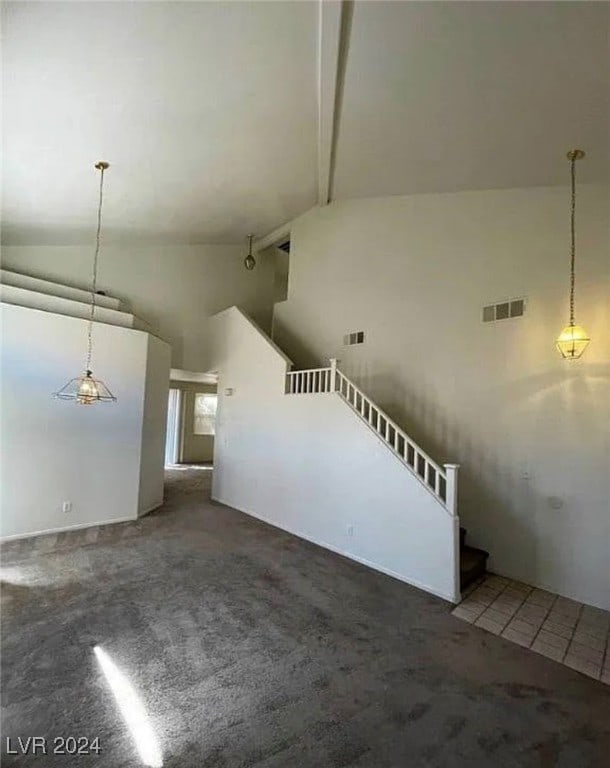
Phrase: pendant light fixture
pixel 85 390
pixel 573 340
pixel 250 261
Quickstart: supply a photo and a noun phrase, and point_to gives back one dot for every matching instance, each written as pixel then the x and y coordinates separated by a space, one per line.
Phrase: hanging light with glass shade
pixel 573 340
pixel 250 261
pixel 85 389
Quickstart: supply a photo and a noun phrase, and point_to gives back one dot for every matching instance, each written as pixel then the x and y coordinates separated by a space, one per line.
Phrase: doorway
pixel 173 433
pixel 191 423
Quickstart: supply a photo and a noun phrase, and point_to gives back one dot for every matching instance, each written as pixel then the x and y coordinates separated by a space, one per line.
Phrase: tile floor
pixel 571 633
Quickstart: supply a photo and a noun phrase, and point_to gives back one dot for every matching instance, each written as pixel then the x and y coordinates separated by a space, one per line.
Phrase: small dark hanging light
pixel 250 261
pixel 573 340
pixel 85 390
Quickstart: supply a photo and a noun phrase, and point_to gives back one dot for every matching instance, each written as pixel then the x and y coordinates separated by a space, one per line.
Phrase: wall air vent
pixel 503 310
pixel 353 338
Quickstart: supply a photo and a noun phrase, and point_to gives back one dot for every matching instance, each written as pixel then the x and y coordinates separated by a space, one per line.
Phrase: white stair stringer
pixel 39 285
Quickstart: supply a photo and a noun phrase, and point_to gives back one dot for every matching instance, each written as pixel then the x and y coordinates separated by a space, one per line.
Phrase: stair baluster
pixel 442 483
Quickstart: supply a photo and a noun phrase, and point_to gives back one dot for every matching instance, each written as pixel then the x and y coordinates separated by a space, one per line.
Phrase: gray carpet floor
pixel 250 647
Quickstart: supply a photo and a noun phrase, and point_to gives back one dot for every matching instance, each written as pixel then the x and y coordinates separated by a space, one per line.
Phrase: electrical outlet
pixel 66 506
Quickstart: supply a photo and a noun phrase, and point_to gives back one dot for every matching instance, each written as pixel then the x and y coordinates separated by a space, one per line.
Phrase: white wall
pixel 530 430
pixel 55 451
pixel 309 464
pixel 154 425
pixel 174 288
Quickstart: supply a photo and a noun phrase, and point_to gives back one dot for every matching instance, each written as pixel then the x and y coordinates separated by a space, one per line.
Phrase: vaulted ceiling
pixel 223 118
pixel 205 111
pixel 446 96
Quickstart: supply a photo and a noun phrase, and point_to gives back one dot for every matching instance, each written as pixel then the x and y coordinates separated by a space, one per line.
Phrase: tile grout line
pixel 521 604
pixel 606 656
pixel 510 618
pixel 514 614
pixel 574 631
pixel 487 607
pixel 548 613
pixel 601 668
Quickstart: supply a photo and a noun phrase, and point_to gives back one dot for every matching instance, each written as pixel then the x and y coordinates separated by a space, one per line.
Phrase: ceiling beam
pixel 277 236
pixel 334 30
pixel 335 21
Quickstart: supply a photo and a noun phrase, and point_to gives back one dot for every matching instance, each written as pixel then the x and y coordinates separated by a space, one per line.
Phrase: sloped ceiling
pixel 206 112
pixel 215 115
pixel 446 96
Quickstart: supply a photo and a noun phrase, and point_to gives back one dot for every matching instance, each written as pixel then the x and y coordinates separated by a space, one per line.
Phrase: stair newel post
pixel 451 492
pixel 333 374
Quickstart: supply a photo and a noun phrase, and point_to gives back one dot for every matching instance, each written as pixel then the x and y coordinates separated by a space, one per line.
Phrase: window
pixel 204 421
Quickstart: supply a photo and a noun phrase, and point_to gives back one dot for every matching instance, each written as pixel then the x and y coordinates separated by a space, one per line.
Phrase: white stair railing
pixel 440 481
pixel 313 381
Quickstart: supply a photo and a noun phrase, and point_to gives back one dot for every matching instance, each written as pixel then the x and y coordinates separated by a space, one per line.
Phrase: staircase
pixel 439 481
pixel 309 452
pixel 473 562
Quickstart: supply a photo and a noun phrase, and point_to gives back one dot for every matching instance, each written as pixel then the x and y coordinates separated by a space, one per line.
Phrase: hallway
pixel 249 647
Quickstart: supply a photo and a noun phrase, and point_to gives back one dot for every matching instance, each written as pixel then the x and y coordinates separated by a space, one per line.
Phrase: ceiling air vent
pixel 353 338
pixel 503 310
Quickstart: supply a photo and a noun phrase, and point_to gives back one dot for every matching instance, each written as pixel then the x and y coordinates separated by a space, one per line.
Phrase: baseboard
pixel 79 526
pixel 343 553
pixel 148 510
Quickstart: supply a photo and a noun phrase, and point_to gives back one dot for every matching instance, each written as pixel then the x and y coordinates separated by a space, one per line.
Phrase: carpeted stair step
pixel 473 565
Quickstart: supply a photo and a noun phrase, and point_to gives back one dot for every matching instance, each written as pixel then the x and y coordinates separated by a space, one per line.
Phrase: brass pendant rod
pixel 101 167
pixel 573 156
pixel 572 237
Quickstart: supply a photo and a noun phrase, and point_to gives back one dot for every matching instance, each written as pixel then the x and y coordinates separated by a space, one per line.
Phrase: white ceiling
pixel 446 96
pixel 208 111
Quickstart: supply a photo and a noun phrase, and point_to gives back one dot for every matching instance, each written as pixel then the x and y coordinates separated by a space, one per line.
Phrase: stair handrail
pixel 309 381
pixel 431 480
pixel 332 380
pixel 393 424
